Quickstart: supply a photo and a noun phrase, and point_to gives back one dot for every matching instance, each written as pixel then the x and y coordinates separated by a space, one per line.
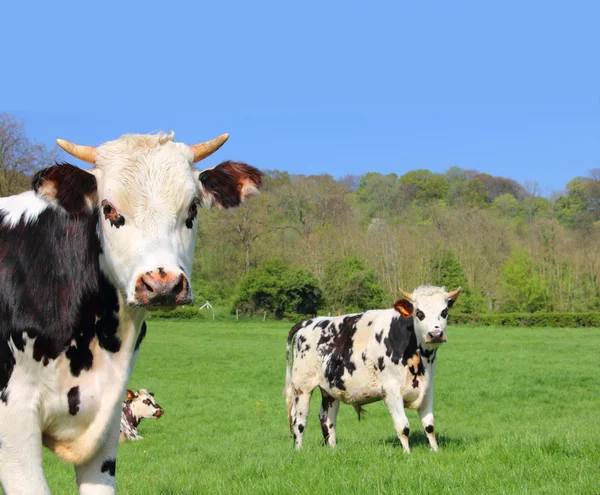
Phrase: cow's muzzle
pixel 159 413
pixel 435 337
pixel 160 288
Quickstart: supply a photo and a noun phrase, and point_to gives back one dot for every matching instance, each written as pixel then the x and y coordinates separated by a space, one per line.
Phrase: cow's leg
pixel 97 475
pixel 328 416
pixel 21 470
pixel 426 414
pixel 395 405
pixel 300 408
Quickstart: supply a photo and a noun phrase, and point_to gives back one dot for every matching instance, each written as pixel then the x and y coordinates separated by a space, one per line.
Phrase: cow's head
pixel 143 405
pixel 428 306
pixel 148 197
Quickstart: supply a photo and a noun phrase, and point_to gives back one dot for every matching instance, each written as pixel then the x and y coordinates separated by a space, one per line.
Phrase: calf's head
pixel 148 195
pixel 428 307
pixel 143 405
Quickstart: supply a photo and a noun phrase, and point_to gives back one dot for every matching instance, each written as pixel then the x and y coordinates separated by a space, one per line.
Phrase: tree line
pixel 318 244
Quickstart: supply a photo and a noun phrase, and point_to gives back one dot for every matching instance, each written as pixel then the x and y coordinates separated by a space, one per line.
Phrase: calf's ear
pixel 228 184
pixel 130 394
pixel 151 393
pixel 404 307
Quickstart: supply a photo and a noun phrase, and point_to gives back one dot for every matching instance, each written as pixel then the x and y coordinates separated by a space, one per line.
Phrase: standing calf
pixel 386 354
pixel 139 405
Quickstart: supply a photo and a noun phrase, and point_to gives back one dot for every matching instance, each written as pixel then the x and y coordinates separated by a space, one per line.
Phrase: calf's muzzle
pixel 162 288
pixel 436 337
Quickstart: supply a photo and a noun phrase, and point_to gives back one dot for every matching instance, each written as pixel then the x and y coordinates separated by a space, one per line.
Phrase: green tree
pixel 446 271
pixel 279 289
pixel 351 287
pixel 522 285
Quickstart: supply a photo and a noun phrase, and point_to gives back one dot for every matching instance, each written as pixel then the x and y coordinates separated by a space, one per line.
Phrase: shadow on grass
pixel 419 438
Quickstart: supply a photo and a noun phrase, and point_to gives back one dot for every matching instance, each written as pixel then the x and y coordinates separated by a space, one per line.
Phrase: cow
pixel 386 354
pixel 138 405
pixel 84 255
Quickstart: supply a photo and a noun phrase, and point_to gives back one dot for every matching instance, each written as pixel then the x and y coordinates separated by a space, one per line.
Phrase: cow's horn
pixel 454 294
pixel 407 295
pixel 202 150
pixel 85 153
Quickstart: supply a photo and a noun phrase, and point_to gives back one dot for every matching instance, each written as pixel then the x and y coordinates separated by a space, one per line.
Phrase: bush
pixel 182 312
pixel 280 290
pixel 564 320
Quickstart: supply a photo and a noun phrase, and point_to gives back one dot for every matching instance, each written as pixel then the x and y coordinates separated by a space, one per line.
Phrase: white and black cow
pixel 138 405
pixel 83 257
pixel 386 354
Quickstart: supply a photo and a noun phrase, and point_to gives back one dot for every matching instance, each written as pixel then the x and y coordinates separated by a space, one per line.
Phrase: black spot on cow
pixel 301 428
pixel 428 354
pixel 322 324
pixel 296 399
pixel 378 336
pixel 429 429
pixel 401 338
pixel 73 400
pixel 406 431
pixel 370 323
pixel 364 357
pixel 141 336
pixel 4 395
pixel 299 341
pixel 380 363
pixel 307 323
pixel 415 382
pixel 109 466
pixel 339 345
pixel 324 428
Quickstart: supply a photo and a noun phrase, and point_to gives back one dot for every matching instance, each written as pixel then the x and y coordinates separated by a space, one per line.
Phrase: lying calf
pixel 386 354
pixel 139 405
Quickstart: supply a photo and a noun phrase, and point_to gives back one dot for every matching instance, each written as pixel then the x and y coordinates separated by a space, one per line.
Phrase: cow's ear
pixel 151 393
pixel 72 188
pixel 228 184
pixel 130 394
pixel 404 307
pixel 452 297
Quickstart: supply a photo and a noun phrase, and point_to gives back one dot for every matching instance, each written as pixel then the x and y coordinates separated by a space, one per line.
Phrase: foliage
pixel 179 313
pixel 351 287
pixel 555 320
pixel 279 289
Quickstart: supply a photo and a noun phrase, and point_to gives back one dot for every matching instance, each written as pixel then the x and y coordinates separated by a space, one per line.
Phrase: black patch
pixel 406 431
pixel 364 357
pixel 308 323
pixel 380 363
pixel 415 382
pixel 400 339
pixel 192 214
pixel 378 336
pixel 4 395
pixel 109 466
pixel 339 345
pixel 322 324
pixel 296 399
pixel 429 429
pixel 73 398
pixel 370 323
pixel 110 213
pixel 301 428
pixel 428 354
pixel 141 336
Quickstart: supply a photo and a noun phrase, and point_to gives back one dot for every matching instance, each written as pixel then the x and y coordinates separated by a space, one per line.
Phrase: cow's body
pixel 138 405
pixel 77 276
pixel 363 358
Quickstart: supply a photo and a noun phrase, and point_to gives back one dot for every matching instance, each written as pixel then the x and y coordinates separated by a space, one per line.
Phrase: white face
pixel 143 405
pixel 430 317
pixel 147 221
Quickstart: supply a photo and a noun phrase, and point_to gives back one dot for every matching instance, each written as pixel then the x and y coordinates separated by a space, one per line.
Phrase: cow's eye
pixel 112 215
pixel 192 213
pixel 420 314
pixel 445 313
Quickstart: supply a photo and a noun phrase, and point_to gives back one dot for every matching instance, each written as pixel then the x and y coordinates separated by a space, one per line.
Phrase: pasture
pixel 517 411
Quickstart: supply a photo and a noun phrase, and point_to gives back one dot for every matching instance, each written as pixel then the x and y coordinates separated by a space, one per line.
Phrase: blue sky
pixel 507 88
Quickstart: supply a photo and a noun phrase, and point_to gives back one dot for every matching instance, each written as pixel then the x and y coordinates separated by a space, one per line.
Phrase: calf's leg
pixel 395 405
pixel 426 415
pixel 328 416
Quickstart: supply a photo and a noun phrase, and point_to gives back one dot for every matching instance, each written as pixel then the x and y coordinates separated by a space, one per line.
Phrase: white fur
pixel 26 206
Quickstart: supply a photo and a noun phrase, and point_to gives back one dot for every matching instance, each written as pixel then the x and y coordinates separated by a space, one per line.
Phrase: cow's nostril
pixel 148 287
pixel 178 289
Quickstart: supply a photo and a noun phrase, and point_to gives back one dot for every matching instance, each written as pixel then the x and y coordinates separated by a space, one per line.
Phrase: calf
pixel 386 354
pixel 139 405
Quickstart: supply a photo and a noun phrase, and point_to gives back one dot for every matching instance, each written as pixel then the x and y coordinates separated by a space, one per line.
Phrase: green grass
pixel 517 411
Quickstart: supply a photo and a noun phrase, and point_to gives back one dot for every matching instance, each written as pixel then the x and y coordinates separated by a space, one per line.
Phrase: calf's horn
pixel 202 150
pixel 454 294
pixel 85 153
pixel 407 295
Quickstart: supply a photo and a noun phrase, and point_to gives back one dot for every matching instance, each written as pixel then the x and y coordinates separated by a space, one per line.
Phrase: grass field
pixel 517 411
